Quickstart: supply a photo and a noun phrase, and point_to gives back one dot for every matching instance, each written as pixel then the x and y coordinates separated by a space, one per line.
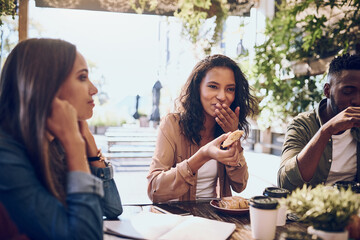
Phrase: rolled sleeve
pixel 186 172
pixel 104 174
pixel 238 177
pixel 299 133
pixel 111 201
pixel 289 175
pixel 81 182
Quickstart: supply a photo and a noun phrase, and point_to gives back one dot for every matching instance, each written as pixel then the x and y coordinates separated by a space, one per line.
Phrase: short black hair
pixel 344 62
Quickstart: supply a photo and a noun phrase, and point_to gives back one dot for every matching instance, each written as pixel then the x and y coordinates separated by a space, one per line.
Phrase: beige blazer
pixel 169 175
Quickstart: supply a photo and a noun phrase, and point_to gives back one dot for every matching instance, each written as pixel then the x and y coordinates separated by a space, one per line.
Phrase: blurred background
pixel 140 53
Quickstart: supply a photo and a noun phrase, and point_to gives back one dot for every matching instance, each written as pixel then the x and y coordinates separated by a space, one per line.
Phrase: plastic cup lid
pixel 355 186
pixel 276 192
pixel 263 202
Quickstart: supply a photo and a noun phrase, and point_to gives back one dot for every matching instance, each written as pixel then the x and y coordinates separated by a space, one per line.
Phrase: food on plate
pixel 234 202
pixel 233 137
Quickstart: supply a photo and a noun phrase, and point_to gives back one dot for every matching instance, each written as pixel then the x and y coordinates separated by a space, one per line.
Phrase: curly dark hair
pixel 189 106
pixel 344 62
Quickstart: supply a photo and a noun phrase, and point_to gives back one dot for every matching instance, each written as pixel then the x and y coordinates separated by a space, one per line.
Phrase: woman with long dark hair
pixel 54 181
pixel 188 162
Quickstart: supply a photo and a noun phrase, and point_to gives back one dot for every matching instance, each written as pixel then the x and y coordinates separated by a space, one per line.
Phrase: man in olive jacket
pixel 323 145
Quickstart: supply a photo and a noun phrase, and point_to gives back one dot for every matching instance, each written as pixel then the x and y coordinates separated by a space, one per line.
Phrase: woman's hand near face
pixel 226 118
pixel 63 124
pixel 63 121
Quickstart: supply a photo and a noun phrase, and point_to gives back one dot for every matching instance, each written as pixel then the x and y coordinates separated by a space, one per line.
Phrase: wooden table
pixel 204 209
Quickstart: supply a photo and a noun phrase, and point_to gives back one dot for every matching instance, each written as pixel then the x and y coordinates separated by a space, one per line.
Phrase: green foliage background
pixel 300 31
pixel 193 15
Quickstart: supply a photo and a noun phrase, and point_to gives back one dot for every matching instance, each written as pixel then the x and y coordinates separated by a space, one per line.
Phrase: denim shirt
pixel 111 202
pixel 299 133
pixel 40 215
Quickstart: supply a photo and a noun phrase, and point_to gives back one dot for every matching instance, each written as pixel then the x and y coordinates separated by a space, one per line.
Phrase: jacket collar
pixel 321 106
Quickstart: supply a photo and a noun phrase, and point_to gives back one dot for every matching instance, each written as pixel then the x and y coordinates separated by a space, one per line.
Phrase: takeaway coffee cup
pixel 263 213
pixel 278 193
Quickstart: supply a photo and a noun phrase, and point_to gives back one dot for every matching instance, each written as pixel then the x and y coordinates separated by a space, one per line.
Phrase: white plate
pixel 215 204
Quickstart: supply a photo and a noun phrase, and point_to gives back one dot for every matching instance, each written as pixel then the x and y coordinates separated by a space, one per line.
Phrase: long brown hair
pixel 189 105
pixel 30 79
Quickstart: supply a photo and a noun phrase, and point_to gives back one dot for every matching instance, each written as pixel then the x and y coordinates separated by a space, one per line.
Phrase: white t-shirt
pixel 206 180
pixel 343 166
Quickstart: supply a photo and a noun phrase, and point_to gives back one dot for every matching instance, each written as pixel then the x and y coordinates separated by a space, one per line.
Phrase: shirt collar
pixel 321 106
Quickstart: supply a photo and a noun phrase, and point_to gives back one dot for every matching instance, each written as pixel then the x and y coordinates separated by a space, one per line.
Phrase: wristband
pixel 93 159
pixel 99 157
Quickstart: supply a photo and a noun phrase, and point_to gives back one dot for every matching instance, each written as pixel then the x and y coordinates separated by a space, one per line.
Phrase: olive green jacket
pixel 299 133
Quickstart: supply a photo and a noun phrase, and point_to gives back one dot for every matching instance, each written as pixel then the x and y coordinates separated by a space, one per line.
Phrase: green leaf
pixel 326 208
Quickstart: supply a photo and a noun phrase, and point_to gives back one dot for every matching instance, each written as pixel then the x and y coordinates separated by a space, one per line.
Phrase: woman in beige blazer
pixel 188 162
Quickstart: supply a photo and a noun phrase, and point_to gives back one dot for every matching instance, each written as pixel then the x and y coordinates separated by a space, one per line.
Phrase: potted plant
pixel 328 210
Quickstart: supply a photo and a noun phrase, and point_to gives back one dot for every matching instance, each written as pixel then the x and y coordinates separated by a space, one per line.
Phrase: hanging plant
pixel 194 13
pixel 7 7
pixel 140 6
pixel 194 16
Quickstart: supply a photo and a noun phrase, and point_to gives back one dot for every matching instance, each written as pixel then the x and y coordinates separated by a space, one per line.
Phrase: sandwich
pixel 233 137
